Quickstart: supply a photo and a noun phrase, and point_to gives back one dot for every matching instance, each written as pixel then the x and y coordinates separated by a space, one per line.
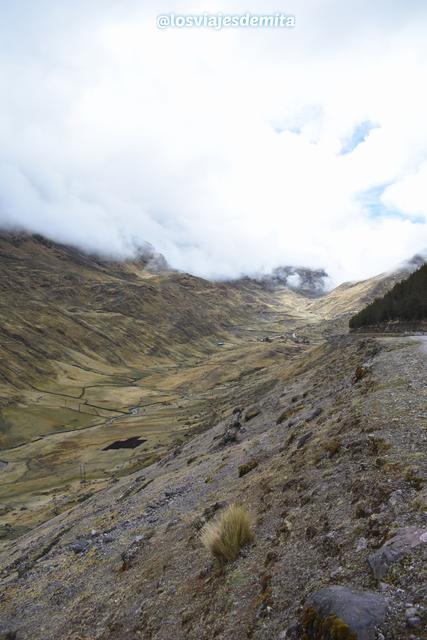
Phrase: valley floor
pixel 56 451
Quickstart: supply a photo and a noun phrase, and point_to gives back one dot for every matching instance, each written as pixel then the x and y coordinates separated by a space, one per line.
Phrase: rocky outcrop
pixel 395 549
pixel 345 613
pixel 309 282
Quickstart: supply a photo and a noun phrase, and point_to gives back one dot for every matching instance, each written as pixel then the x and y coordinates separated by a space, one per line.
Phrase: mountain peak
pixel 308 282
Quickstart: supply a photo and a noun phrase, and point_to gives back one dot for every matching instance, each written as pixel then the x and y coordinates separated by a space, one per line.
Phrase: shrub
pixel 246 467
pixel 360 373
pixel 333 446
pixel 224 536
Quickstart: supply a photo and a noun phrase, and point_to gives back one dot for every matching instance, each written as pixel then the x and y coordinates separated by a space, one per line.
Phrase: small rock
pixel 229 436
pixel 395 498
pixel 81 545
pixel 413 622
pixel 304 439
pixel 362 543
pixel 107 538
pixel 336 572
pixel 311 415
pixel 131 552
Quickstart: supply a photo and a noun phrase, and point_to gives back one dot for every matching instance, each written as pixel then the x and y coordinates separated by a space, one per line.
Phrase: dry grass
pixel 224 536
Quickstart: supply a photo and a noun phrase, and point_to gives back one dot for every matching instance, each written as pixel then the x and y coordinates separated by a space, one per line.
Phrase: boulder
pixel 395 549
pixel 343 612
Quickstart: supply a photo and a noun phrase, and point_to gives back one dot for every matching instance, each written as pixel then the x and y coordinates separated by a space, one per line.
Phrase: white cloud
pixel 222 149
pixel 409 195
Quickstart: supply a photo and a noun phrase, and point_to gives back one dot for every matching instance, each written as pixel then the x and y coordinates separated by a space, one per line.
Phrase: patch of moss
pixel 399 570
pixel 329 628
pixel 419 504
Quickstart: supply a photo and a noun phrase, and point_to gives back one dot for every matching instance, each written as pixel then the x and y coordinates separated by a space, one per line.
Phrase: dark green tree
pixel 406 302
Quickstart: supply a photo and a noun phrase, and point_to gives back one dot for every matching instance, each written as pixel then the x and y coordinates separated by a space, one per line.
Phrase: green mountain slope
pixel 405 302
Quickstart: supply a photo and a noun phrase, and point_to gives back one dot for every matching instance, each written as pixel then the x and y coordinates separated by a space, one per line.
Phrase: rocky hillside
pixel 331 466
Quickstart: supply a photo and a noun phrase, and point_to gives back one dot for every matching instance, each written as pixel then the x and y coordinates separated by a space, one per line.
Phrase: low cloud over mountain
pixel 232 152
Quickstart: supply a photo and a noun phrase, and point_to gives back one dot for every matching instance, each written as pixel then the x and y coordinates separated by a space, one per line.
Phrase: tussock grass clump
pixel 246 467
pixel 333 446
pixel 224 536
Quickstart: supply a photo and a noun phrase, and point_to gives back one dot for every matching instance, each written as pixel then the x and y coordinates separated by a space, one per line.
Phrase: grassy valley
pixel 94 352
pixel 142 410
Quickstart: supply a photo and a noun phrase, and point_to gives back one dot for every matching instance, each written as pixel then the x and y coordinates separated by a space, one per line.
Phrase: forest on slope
pixel 405 302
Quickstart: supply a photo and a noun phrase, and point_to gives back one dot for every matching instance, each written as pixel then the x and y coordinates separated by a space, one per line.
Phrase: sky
pixel 231 151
